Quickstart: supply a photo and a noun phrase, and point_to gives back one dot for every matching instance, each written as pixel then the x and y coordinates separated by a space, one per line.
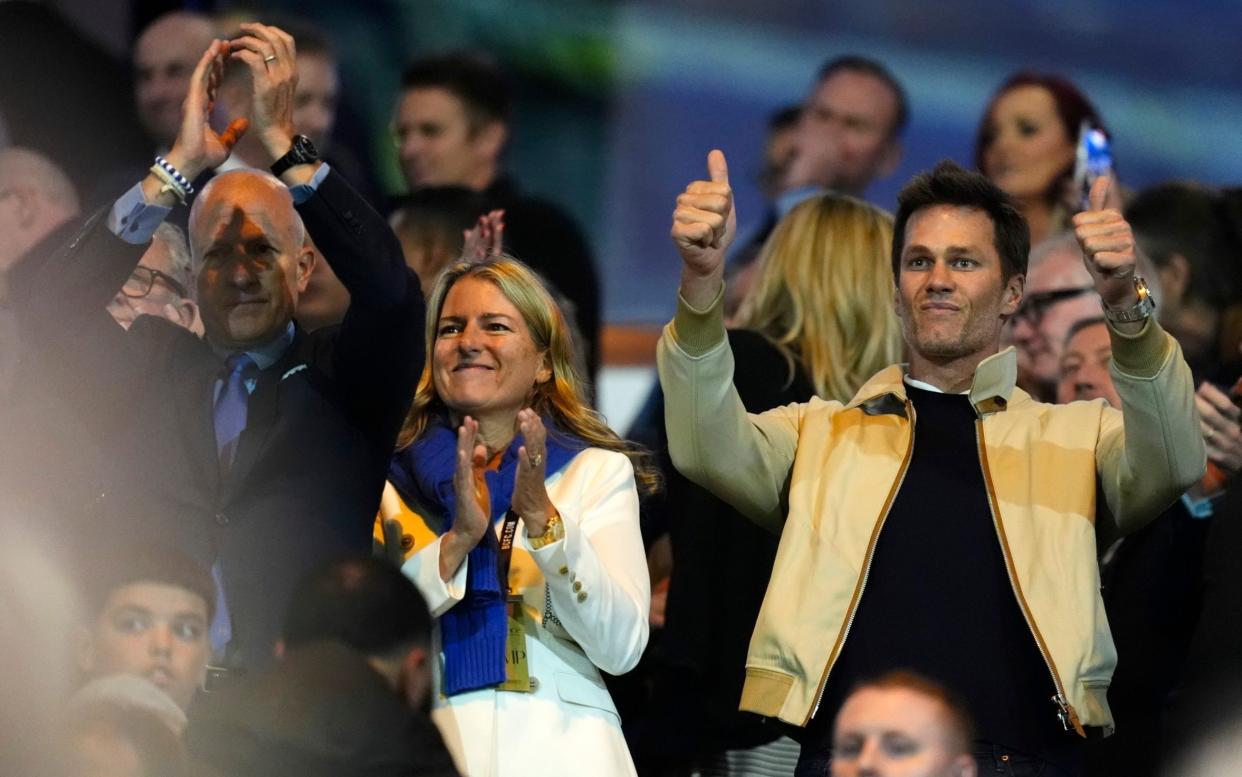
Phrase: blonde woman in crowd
pixel 531 556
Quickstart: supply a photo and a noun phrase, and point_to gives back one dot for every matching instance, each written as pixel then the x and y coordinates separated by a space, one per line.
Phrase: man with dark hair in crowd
pixel 350 695
pixel 453 122
pixel 903 724
pixel 147 613
pixel 941 520
pixel 258 449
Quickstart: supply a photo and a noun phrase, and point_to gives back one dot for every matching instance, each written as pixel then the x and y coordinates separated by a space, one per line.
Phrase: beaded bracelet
pixel 170 184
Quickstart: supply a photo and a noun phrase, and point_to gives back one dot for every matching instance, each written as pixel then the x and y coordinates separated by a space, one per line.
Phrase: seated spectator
pixel 147 613
pixel 162 284
pixel 350 695
pixel 1195 247
pixel 36 197
pixel 537 574
pixel 903 724
pixel 289 469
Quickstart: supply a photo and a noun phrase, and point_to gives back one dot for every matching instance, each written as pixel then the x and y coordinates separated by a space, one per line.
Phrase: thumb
pixel 717 167
pixel 236 128
pixel 1098 198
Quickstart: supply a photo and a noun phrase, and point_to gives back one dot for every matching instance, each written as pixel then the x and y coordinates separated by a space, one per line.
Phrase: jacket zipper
pixel 866 570
pixel 1065 711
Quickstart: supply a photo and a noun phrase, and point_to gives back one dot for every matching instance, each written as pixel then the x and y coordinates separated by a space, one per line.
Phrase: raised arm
pixel 1152 451
pixel 745 460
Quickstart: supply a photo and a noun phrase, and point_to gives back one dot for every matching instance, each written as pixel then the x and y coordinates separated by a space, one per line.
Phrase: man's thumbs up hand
pixel 703 228
pixel 1107 247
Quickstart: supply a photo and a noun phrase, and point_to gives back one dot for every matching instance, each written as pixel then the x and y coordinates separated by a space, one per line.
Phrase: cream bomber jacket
pixel 824 475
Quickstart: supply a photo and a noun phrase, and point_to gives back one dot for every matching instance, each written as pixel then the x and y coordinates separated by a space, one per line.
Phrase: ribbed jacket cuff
pixel 698 331
pixel 1140 355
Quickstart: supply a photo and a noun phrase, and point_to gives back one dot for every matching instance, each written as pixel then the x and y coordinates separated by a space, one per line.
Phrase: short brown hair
pixel 959 722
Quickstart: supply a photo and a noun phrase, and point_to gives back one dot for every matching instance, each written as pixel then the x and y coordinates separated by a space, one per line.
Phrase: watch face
pixel 305 149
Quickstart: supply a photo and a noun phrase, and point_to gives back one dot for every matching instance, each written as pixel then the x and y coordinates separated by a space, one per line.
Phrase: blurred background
pixel 619 101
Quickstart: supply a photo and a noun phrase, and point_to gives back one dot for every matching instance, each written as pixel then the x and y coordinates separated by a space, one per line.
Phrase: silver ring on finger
pixel 269 59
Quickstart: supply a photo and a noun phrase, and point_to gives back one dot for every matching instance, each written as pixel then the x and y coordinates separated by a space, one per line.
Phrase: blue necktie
pixel 230 420
pixel 230 414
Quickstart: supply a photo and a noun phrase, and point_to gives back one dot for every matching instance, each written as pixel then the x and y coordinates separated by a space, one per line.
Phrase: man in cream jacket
pixel 942 520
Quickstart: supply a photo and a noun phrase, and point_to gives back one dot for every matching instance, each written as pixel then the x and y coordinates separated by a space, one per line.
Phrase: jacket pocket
pixel 585 692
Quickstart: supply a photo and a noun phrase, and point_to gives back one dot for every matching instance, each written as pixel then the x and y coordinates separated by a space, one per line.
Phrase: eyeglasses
pixel 143 279
pixel 1036 306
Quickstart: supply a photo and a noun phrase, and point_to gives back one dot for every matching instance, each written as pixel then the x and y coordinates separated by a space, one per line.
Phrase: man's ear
pixel 1174 279
pixel 185 312
pixel 1014 288
pixel 84 649
pixel 306 265
pixel 415 677
pixel 26 206
pixel 892 157
pixel 491 138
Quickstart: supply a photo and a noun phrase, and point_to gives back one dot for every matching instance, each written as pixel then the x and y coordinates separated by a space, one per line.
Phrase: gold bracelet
pixel 552 532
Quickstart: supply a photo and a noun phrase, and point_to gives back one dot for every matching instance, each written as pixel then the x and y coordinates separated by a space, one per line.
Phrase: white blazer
pixel 588 595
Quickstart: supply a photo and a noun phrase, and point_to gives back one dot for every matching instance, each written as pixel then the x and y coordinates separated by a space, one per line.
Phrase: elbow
pixel 621 661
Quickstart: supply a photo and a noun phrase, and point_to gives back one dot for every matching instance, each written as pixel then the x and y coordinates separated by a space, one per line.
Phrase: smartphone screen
pixel 1094 159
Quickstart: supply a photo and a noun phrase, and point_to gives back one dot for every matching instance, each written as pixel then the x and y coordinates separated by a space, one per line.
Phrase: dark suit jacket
pixel 322 712
pixel 309 468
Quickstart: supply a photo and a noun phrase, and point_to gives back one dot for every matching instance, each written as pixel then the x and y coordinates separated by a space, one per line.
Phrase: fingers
pixel 717 167
pixel 1213 401
pixel 232 133
pixel 1098 197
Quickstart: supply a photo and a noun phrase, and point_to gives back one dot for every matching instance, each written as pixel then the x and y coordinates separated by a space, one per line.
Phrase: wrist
pixel 190 168
pixel 276 141
pixel 699 290
pixel 551 531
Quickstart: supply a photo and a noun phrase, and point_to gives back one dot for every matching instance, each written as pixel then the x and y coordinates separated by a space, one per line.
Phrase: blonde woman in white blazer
pixel 499 443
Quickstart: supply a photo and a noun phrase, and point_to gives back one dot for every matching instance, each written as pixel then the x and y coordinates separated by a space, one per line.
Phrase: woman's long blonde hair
pixel 559 398
pixel 824 294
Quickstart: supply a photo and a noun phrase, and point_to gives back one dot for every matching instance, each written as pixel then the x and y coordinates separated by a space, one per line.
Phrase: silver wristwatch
pixel 1136 312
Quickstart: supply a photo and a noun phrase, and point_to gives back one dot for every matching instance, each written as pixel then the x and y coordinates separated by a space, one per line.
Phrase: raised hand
pixel 530 497
pixel 704 223
pixel 471 519
pixel 1107 247
pixel 485 238
pixel 199 147
pixel 270 54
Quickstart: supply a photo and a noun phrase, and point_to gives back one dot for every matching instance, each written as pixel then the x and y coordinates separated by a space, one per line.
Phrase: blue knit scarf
pixel 473 631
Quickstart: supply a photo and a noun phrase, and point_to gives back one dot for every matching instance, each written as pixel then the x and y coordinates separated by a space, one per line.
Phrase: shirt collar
pixel 269 353
pixel 993 388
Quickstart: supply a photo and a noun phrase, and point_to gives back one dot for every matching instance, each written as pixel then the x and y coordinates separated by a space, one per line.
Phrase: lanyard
pixel 507 531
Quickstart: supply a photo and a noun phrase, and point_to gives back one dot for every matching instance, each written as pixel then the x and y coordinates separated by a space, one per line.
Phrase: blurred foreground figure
pixel 902 725
pixel 349 697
